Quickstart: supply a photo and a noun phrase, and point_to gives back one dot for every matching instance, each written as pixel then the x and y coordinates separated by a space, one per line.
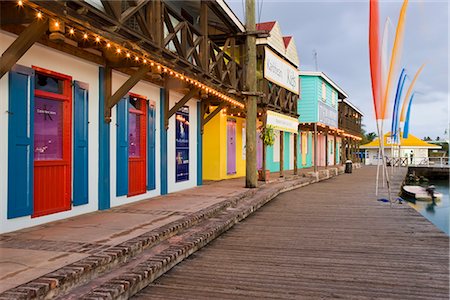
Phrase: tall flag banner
pixel 395 58
pixel 406 126
pixel 408 93
pixel 385 54
pixel 374 53
pixel 398 93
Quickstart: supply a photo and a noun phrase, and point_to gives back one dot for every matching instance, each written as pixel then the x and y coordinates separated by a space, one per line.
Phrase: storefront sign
pixel 281 72
pixel 182 144
pixel 328 115
pixel 282 122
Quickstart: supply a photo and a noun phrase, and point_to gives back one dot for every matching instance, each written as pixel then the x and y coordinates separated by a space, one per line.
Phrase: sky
pixel 338 32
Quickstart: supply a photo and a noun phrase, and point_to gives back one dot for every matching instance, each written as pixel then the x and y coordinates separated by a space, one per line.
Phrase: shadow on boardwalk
pixel 328 240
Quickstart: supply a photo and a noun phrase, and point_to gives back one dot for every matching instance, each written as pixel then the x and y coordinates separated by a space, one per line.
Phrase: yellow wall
pixel 215 148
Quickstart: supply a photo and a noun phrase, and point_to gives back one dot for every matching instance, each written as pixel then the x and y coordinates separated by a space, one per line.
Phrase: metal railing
pixel 442 162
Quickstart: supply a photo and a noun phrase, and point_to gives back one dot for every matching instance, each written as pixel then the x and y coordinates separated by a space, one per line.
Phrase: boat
pixel 419 193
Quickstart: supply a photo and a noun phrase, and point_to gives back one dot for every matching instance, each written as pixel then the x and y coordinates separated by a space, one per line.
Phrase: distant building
pixel 321 137
pixel 412 145
pixel 349 119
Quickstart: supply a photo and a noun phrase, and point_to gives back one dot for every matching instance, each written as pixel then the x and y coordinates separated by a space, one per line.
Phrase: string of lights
pixel 128 54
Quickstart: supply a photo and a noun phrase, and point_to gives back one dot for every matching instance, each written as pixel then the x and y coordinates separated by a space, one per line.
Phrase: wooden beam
pixel 204 46
pixel 166 103
pixel 107 91
pixel 128 85
pixel 21 45
pixel 182 102
pixel 214 113
pixel 132 10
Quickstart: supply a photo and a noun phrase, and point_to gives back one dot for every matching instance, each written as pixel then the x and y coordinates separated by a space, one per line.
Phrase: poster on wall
pixel 182 144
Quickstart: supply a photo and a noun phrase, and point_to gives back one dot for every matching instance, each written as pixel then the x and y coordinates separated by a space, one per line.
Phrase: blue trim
pixel 122 148
pixel 80 145
pixel 104 193
pixel 199 145
pixel 163 139
pixel 20 142
pixel 151 131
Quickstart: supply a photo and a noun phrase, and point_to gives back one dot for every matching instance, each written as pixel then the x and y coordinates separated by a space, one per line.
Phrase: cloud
pixel 338 31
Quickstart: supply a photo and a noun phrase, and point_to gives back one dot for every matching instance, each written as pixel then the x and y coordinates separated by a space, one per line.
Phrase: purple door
pixel 231 146
pixel 259 150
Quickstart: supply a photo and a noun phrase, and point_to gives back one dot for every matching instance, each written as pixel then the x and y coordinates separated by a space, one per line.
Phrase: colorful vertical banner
pixel 395 111
pixel 395 58
pixel 375 57
pixel 182 144
pixel 406 126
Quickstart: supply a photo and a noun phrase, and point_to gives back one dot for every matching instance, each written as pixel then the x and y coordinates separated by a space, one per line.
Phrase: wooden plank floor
pixel 327 240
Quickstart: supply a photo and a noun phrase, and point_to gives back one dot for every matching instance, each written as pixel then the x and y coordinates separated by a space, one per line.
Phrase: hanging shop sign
pixel 282 122
pixel 182 144
pixel 328 115
pixel 281 72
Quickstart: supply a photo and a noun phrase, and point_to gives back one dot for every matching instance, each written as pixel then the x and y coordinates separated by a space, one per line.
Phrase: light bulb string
pixel 75 31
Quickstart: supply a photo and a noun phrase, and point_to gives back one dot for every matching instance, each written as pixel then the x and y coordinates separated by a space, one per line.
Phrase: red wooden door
pixel 137 150
pixel 52 142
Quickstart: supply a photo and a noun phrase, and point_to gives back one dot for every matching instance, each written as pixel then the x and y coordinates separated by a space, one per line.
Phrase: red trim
pixel 137 96
pixel 137 170
pixel 52 180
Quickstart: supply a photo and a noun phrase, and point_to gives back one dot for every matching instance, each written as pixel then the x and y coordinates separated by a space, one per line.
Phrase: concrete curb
pixel 226 214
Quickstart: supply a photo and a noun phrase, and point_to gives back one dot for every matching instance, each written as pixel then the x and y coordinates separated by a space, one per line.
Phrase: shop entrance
pixel 52 142
pixel 231 146
pixel 137 139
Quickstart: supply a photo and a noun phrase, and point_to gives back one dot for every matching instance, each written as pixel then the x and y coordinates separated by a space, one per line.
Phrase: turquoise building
pixel 321 139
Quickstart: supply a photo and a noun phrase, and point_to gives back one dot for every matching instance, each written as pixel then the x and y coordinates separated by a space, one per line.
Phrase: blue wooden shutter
pixel 151 184
pixel 80 153
pixel 122 147
pixel 20 142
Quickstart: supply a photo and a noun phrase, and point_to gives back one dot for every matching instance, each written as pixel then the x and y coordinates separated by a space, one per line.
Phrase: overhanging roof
pixel 351 105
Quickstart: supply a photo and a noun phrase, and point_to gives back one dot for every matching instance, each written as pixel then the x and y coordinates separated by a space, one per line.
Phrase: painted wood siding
pixel 291 52
pixel 307 105
pixel 329 90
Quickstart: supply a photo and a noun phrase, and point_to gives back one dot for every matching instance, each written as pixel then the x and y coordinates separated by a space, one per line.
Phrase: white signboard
pixel 328 115
pixel 282 122
pixel 281 72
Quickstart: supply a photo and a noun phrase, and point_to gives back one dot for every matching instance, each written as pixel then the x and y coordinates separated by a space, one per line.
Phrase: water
pixel 439 214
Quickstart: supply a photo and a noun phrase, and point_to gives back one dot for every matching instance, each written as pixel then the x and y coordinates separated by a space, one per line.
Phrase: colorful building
pixel 224 137
pixel 350 120
pixel 277 74
pixel 321 136
pixel 410 151
pixel 104 109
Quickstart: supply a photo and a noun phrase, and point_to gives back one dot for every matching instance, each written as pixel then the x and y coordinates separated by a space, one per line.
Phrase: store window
pixel 48 129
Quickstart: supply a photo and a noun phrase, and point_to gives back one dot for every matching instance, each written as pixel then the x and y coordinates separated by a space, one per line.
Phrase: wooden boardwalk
pixel 327 240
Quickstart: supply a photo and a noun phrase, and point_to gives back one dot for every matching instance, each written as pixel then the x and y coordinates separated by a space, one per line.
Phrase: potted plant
pixel 267 137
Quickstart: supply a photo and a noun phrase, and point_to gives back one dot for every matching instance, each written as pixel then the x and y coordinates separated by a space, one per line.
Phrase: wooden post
pixel 295 152
pixel 250 63
pixel 204 46
pixel 158 22
pixel 107 93
pixel 335 148
pixel 315 147
pixel 264 149
pixel 281 153
pixel 326 147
